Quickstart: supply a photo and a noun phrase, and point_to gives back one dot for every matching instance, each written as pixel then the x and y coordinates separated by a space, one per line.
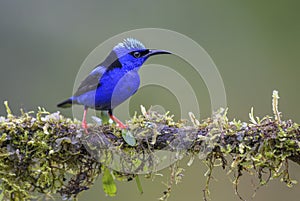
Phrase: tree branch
pixel 47 153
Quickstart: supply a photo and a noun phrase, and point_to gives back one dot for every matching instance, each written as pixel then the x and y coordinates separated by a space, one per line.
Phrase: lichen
pixel 44 154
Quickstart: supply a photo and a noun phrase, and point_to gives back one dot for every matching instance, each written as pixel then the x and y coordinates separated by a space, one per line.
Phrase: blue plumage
pixel 114 80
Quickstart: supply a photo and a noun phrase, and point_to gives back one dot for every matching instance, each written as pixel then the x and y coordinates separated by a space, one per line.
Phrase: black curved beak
pixel 156 52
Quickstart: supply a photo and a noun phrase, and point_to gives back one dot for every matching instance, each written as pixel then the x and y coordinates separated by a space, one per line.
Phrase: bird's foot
pixel 83 123
pixel 119 123
pixel 85 127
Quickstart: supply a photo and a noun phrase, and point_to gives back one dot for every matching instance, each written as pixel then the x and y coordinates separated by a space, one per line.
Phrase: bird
pixel 112 81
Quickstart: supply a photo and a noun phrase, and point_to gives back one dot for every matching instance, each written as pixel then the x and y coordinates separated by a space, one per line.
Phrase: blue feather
pixel 115 79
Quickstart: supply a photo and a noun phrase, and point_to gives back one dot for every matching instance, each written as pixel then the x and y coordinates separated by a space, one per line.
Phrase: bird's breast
pixel 116 87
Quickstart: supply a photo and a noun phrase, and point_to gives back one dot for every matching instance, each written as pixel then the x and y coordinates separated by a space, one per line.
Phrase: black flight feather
pixel 91 82
pixel 65 104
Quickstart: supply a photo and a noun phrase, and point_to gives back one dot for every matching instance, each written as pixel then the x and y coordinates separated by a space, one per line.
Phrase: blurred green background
pixel 254 44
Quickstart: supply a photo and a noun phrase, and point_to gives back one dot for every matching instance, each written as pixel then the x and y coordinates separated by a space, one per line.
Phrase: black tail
pixel 65 104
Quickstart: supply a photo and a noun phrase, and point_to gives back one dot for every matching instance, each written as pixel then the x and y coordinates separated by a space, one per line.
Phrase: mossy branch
pixel 46 154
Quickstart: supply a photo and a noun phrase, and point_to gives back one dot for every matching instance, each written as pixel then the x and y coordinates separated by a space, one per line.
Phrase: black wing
pixel 91 82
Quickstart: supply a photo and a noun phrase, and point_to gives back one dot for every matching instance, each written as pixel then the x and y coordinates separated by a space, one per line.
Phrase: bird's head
pixel 132 53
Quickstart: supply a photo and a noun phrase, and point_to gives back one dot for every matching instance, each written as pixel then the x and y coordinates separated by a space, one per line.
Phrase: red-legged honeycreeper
pixel 114 80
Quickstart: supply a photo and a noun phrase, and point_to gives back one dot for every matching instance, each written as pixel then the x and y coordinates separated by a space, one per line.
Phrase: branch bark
pixel 48 153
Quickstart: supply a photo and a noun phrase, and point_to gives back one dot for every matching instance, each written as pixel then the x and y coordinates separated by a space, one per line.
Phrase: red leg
pixel 115 119
pixel 84 124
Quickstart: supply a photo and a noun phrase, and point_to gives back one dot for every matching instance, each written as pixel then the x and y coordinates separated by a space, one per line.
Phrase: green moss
pixel 42 154
pixel 47 154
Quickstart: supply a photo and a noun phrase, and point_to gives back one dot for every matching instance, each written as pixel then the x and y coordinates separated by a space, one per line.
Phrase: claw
pixel 119 123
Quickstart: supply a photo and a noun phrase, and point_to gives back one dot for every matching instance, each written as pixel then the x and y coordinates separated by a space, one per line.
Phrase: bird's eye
pixel 137 54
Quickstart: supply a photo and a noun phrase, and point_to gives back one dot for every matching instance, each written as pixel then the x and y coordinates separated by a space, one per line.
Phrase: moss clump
pixel 45 154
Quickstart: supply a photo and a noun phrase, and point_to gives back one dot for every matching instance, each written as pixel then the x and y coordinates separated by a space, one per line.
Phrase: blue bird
pixel 114 80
